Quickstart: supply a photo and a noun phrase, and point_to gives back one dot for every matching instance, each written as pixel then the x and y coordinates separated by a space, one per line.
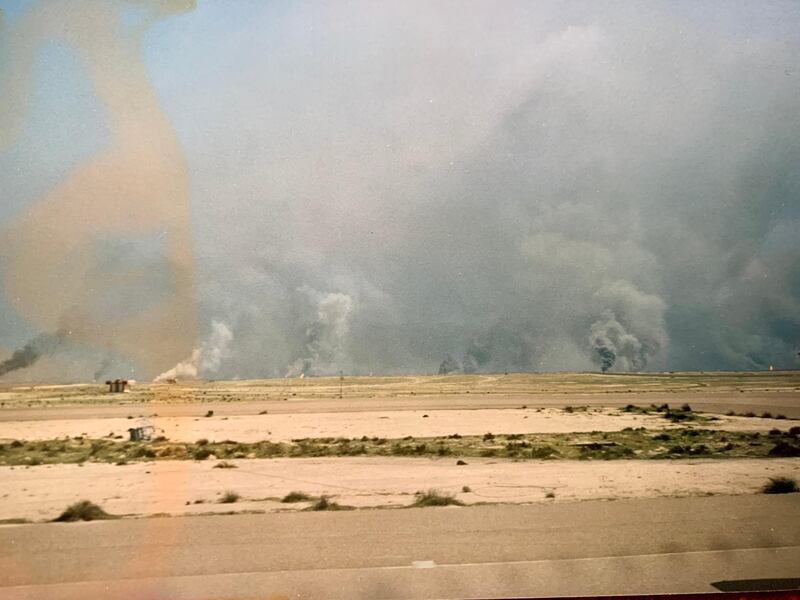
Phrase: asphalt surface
pixel 778 402
pixel 663 545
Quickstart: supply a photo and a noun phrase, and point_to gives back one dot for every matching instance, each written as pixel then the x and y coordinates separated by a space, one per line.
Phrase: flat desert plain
pixel 380 442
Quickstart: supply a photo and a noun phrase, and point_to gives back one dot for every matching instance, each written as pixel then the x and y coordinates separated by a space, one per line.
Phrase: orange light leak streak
pixel 137 188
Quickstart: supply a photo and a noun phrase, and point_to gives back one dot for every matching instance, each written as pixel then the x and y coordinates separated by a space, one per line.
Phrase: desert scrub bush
pixel 229 497
pixel 325 503
pixel 435 498
pixel 144 452
pixel 201 453
pixel 784 449
pixel 766 415
pixel 296 497
pixel 224 464
pixel 543 452
pixel 780 485
pixel 82 511
pixel 677 416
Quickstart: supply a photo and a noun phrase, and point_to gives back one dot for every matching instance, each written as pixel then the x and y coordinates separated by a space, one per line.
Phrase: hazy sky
pixel 376 186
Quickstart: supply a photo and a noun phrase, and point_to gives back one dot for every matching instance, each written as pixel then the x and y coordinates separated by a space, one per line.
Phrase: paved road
pixel 783 402
pixel 628 546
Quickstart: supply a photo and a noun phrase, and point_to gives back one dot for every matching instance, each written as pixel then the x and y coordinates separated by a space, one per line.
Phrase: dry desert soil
pixel 377 441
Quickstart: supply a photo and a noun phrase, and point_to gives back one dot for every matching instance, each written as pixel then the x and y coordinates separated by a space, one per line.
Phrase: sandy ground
pixel 40 493
pixel 386 424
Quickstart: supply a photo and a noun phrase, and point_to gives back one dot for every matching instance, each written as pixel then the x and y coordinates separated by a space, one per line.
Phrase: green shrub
pixel 543 452
pixel 201 453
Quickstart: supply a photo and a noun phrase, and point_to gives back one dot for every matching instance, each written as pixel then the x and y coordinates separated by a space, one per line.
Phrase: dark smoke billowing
pixel 31 352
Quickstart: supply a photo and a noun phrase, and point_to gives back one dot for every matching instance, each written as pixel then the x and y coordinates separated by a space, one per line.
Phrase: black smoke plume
pixel 26 356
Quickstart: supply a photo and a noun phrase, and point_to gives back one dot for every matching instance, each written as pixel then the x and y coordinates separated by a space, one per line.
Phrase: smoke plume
pixel 326 337
pixel 31 352
pixel 376 186
pixel 204 360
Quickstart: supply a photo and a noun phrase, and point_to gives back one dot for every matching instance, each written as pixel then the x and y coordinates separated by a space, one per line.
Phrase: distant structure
pixel 141 434
pixel 116 386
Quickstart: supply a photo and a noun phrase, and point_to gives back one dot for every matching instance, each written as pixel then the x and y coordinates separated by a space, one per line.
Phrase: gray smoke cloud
pixel 566 180
pixel 105 364
pixel 553 186
pixel 325 344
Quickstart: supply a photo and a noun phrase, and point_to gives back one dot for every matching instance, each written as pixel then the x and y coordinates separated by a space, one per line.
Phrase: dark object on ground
pixel 435 498
pixel 82 511
pixel 784 449
pixel 757 585
pixel 324 503
pixel 781 485
pixel 296 497
pixel 210 413
pixel 460 463
pixel 229 498
pixel 141 434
